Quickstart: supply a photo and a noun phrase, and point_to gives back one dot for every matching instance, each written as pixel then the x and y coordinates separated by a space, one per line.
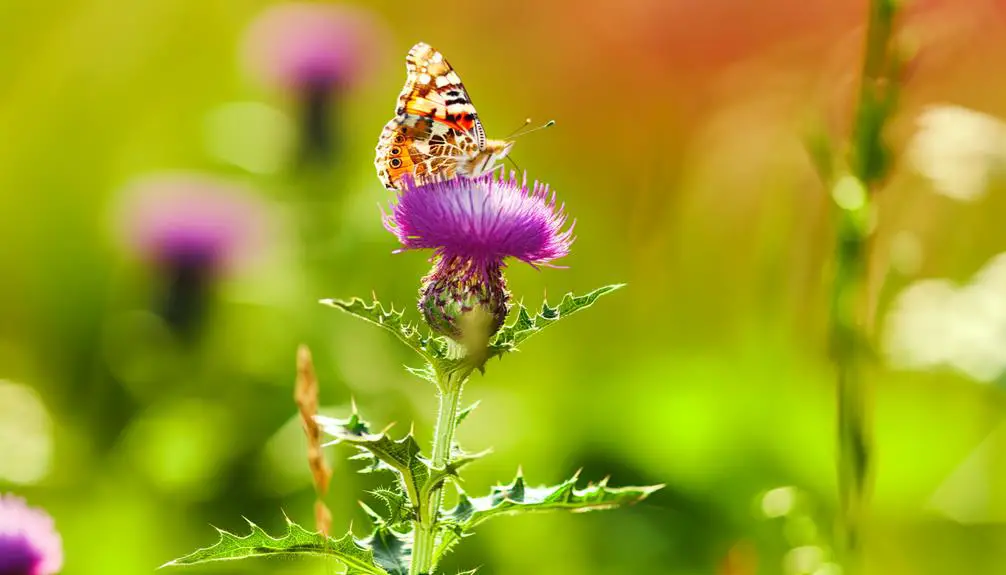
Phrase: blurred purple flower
pixel 473 226
pixel 316 51
pixel 301 45
pixel 191 217
pixel 193 228
pixel 29 543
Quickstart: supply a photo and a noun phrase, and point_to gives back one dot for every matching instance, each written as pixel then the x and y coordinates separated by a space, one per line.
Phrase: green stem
pixel 851 316
pixel 847 334
pixel 426 528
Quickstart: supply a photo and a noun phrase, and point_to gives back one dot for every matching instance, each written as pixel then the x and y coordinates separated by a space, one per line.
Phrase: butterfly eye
pixel 395 163
pixel 396 151
pixel 399 139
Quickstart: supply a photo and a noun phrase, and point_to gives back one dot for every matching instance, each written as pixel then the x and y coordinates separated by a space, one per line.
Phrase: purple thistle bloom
pixel 193 228
pixel 484 219
pixel 176 217
pixel 316 51
pixel 473 225
pixel 29 543
pixel 301 45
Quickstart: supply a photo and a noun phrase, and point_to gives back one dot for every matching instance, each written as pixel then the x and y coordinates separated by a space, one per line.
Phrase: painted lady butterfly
pixel 436 132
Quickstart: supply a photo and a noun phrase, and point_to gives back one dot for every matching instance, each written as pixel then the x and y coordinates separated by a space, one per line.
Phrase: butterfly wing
pixel 409 147
pixel 436 131
pixel 434 90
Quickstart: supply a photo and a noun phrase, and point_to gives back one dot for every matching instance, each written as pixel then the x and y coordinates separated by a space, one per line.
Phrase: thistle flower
pixel 29 543
pixel 317 52
pixel 194 229
pixel 473 225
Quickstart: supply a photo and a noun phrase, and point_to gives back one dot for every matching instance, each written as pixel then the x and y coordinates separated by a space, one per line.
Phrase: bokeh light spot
pixel 934 323
pixel 778 502
pixel 25 435
pixel 958 149
pixel 849 193
pixel 803 560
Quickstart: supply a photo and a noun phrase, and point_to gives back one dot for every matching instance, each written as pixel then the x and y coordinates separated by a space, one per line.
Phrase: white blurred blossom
pixel 936 323
pixel 958 149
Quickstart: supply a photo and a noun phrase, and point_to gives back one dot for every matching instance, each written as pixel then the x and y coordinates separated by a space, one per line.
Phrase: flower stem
pixel 450 386
pixel 847 333
pixel 851 313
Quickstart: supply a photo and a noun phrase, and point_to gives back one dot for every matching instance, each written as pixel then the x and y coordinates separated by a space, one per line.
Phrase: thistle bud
pixel 465 300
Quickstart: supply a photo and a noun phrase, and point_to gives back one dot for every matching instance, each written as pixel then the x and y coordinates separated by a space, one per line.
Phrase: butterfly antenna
pixel 511 160
pixel 547 124
pixel 527 121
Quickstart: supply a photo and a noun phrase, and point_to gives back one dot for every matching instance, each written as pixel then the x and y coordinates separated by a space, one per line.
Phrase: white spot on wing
pixel 437 58
pixel 423 79
pixel 442 81
pixel 453 78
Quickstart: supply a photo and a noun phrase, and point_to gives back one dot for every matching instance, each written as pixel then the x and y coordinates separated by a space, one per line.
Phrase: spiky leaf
pixel 425 344
pixel 459 458
pixel 525 325
pixel 357 556
pixel 391 550
pixel 399 455
pixel 397 505
pixel 517 497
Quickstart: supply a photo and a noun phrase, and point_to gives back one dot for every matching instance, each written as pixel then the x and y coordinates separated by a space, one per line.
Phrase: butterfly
pixel 436 132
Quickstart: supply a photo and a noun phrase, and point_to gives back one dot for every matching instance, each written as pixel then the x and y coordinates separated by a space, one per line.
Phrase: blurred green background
pixel 678 149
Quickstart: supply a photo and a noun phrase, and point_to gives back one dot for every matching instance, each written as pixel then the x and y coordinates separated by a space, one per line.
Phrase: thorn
pixel 412 428
pixel 352 404
pixel 368 510
pixel 520 472
pixel 387 428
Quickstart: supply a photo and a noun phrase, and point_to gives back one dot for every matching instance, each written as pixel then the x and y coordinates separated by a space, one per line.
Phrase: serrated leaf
pixel 399 455
pixel 425 344
pixel 397 504
pixel 392 550
pixel 525 325
pixel 458 460
pixel 355 555
pixel 517 497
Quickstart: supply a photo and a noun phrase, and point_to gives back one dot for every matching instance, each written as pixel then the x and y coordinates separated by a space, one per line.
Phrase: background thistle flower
pixel 317 52
pixel 473 226
pixel 193 229
pixel 29 543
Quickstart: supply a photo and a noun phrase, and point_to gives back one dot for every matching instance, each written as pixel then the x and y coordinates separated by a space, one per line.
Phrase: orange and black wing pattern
pixel 436 130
